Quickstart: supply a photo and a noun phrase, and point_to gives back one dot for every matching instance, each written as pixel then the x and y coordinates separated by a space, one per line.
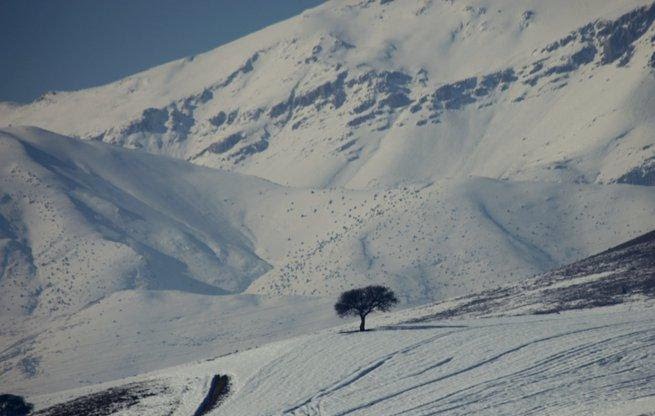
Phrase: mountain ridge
pixel 296 107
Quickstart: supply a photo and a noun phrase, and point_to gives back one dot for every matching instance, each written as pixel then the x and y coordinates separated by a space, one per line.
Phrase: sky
pixel 55 45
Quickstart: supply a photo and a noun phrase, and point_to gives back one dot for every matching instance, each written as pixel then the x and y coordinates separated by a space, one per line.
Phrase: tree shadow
pixel 401 328
pixel 417 327
pixel 354 331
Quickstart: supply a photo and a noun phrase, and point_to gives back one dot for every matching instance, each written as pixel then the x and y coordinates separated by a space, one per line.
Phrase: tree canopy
pixel 362 301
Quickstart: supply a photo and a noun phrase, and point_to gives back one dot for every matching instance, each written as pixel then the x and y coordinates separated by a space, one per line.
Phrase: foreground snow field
pixel 594 362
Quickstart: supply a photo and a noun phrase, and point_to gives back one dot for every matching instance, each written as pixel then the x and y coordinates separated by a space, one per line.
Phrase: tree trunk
pixel 362 323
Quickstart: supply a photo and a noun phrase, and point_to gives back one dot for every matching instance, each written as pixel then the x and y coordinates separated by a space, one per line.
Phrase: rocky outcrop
pixel 365 98
pixel 640 175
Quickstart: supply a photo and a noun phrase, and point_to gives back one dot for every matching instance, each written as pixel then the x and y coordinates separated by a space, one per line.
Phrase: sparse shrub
pixel 11 405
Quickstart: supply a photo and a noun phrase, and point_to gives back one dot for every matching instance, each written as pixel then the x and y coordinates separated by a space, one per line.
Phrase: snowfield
pixel 545 346
pixel 597 362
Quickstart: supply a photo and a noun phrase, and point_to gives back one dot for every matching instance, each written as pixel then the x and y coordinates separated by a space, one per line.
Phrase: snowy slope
pixel 415 362
pixel 594 362
pixel 83 221
pixel 622 274
pixel 360 93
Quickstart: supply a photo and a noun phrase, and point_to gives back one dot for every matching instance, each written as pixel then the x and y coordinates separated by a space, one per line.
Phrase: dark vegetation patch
pixel 12 405
pixel 105 402
pixel 628 270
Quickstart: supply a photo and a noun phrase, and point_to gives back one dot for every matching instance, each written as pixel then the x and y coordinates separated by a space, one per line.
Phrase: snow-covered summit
pixel 363 93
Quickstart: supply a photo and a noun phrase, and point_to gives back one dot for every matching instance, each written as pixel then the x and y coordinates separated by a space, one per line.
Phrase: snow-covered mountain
pixel 361 92
pixel 439 147
pixel 81 221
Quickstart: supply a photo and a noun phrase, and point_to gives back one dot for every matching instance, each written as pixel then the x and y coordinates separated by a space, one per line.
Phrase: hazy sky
pixel 71 44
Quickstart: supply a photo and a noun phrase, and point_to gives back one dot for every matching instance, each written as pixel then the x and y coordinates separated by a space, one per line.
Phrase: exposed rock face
pixel 640 175
pixel 618 36
pixel 227 143
pixel 333 86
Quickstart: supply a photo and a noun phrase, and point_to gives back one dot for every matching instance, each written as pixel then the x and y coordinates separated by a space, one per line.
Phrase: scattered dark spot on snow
pixel 361 119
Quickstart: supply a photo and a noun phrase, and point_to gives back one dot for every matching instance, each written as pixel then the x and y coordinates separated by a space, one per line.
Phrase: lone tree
pixel 360 302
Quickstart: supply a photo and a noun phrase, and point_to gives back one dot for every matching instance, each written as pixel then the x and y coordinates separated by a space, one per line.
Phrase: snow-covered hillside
pixel 107 250
pixel 84 220
pixel 596 362
pixel 625 273
pixel 362 92
pixel 530 355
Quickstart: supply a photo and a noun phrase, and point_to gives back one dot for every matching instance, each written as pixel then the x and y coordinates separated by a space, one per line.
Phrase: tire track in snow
pixel 514 379
pixel 468 368
pixel 363 372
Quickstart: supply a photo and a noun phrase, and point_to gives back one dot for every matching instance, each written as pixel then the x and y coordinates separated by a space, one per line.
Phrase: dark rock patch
pixel 617 36
pixel 219 388
pixel 180 123
pixel 395 100
pixel 218 119
pixel 457 95
pixel 640 175
pixel 256 147
pixel 205 96
pixel 346 146
pixel 153 120
pixel 232 116
pixel 364 106
pixel 248 66
pixel 361 119
pixel 226 144
pixel 614 39
pixel 331 92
